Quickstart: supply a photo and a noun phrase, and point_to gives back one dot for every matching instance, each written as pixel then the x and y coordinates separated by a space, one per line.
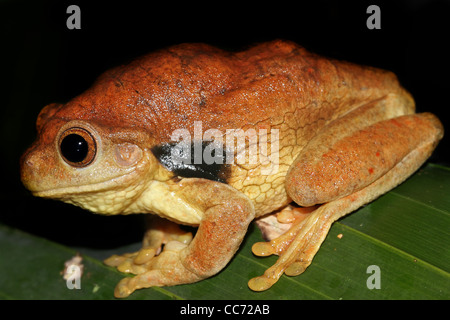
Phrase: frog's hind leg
pixel 159 232
pixel 298 246
pixel 383 155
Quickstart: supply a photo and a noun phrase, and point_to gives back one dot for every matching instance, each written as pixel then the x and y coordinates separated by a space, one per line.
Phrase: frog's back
pixel 171 88
pixel 276 85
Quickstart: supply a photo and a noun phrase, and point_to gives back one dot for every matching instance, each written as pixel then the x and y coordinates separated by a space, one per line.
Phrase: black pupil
pixel 74 148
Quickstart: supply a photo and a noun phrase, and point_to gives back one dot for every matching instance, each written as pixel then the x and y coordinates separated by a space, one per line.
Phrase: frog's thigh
pixel 306 237
pixel 348 163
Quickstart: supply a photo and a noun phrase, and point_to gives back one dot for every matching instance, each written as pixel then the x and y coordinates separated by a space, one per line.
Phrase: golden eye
pixel 77 147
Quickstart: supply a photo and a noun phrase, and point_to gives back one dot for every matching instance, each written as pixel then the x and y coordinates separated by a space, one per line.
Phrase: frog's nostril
pixel 28 167
pixel 29 161
pixel 25 161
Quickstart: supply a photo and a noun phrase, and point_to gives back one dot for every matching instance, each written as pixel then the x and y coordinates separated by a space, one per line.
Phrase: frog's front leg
pixel 344 172
pixel 226 216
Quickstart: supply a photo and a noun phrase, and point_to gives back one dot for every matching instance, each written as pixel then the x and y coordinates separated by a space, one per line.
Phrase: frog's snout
pixel 28 170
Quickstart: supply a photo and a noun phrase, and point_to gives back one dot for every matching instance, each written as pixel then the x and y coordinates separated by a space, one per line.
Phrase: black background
pixel 43 62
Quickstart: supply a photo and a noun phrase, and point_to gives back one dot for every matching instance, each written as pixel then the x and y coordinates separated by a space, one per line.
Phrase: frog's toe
pixel 122 290
pixel 127 286
pixel 261 283
pixel 116 260
pixel 296 268
pixel 144 256
pixel 271 276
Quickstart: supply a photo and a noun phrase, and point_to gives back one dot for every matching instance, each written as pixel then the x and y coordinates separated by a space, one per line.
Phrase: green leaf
pixel 405 233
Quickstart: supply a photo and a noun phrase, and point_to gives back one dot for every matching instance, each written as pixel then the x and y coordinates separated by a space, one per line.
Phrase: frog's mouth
pixel 112 184
pixel 62 193
pixel 108 197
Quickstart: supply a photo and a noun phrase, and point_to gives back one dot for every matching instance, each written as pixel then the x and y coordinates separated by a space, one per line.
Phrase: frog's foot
pixel 164 269
pixel 296 247
pixel 162 232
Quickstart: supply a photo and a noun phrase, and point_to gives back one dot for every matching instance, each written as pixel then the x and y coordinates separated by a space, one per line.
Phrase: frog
pixel 343 135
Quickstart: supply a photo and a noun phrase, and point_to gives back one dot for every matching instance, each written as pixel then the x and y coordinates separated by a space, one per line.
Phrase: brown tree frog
pixel 327 135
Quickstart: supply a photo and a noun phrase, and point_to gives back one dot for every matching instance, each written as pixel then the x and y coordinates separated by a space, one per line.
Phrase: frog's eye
pixel 77 147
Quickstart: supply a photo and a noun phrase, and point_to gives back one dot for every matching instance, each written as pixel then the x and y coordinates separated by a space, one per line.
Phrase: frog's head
pixel 102 168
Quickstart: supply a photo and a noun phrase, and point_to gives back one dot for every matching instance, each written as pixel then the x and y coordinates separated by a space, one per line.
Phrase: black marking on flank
pixel 217 170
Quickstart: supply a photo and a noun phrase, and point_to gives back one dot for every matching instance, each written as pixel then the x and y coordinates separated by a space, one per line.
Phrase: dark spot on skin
pixel 187 166
pixel 179 84
pixel 118 83
pixel 171 105
pixel 202 102
pixel 203 98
